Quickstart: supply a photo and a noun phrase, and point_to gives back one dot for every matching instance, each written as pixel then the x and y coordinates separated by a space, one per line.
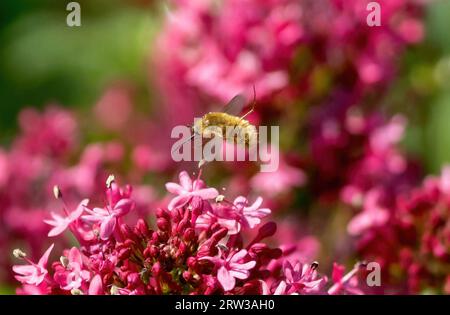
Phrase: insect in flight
pixel 227 125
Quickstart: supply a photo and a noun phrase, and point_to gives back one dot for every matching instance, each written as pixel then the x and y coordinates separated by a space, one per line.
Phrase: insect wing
pixel 235 106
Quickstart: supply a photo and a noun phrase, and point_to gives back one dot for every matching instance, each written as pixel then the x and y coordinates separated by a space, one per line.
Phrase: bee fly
pixel 227 125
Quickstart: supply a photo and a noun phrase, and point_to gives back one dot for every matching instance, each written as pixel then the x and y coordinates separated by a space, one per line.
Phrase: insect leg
pixel 253 104
pixel 179 146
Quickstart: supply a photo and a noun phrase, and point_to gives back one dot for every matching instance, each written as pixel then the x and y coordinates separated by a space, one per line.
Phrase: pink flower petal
pixel 96 286
pixel 44 259
pixel 239 255
pixel 175 189
pixel 123 207
pixel 178 201
pixel 107 227
pixel 226 280
pixel 185 180
pixel 57 229
pixel 206 193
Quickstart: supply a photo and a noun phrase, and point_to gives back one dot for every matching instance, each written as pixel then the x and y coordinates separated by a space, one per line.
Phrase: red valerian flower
pixel 188 189
pixel 60 223
pixel 231 268
pixel 71 275
pixel 33 273
pixel 177 257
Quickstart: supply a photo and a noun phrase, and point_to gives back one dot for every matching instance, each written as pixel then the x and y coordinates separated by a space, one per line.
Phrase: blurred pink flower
pixel 372 215
pixel 282 180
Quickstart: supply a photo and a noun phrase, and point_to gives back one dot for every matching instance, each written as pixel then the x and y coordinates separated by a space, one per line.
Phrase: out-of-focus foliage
pixel 43 60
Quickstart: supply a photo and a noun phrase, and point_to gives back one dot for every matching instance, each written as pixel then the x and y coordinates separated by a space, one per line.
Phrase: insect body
pixel 226 124
pixel 229 127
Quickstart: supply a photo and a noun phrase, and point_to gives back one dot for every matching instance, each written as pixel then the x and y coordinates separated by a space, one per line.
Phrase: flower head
pixel 188 189
pixel 33 273
pixel 60 223
pixel 232 267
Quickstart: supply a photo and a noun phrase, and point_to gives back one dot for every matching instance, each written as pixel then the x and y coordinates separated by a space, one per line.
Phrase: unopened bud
pixel 76 292
pixel 57 192
pixel 19 253
pixel 267 230
pixel 156 268
pixel 110 180
pixel 189 235
pixel 187 275
pixel 163 224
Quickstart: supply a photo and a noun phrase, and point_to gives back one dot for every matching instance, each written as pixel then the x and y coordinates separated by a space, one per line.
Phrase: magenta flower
pixel 72 275
pixel 107 218
pixel 61 223
pixel 250 216
pixel 234 216
pixel 188 189
pixel 33 273
pixel 231 268
pixel 372 215
pixel 300 279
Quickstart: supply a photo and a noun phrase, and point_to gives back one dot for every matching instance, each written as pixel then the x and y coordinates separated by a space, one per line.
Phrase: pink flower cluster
pixel 355 152
pixel 413 242
pixel 217 49
pixel 46 153
pixel 197 248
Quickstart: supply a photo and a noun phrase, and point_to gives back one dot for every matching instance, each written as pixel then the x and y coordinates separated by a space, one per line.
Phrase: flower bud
pixel 127 231
pixel 134 279
pixel 191 262
pixel 217 236
pixel 187 275
pixel 124 253
pixel 156 268
pixel 189 235
pixel 182 225
pixel 267 230
pixel 181 250
pixel 163 224
pixel 162 213
pixel 142 227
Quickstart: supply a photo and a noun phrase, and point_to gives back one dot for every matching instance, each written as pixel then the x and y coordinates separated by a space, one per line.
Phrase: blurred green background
pixel 42 60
